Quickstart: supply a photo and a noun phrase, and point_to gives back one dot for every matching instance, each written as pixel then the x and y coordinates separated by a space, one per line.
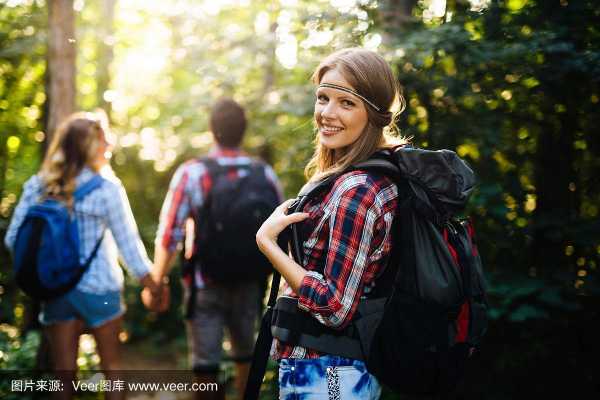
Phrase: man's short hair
pixel 228 122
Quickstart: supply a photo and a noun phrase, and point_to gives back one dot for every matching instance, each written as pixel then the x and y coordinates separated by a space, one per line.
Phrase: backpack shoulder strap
pixel 212 168
pixel 94 183
pixel 382 161
pixel 211 164
pixel 387 167
pixel 258 167
pixel 309 191
pixel 379 162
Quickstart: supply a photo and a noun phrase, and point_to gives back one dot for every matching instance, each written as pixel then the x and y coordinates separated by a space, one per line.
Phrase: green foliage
pixel 18 355
pixel 16 352
pixel 513 88
pixel 22 67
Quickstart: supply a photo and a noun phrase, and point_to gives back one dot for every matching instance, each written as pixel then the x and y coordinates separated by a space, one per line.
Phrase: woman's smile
pixel 330 130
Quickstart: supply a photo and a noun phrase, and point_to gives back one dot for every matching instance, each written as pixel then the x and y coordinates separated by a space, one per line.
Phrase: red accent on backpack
pixel 462 321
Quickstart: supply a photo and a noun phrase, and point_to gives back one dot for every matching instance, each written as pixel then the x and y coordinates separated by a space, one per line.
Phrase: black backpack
pixel 240 199
pixel 428 312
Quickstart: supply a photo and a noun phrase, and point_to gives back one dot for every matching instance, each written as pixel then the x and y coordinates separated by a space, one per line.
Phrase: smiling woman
pixel 346 230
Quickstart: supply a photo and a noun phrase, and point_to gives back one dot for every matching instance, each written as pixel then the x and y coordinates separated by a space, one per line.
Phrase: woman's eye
pixel 347 103
pixel 322 98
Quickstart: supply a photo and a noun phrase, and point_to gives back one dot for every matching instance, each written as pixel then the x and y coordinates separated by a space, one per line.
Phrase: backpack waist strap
pixel 296 327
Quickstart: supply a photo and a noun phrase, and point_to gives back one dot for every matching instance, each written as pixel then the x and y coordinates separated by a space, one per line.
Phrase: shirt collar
pixel 221 151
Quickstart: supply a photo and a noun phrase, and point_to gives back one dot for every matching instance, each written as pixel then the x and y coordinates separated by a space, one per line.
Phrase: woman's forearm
pixel 287 267
pixel 266 239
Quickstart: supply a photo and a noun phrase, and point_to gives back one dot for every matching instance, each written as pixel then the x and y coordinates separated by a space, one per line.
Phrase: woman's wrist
pixel 291 271
pixel 265 242
pixel 159 277
pixel 157 288
pixel 149 282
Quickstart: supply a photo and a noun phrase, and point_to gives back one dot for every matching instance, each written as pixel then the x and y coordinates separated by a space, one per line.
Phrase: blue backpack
pixel 46 250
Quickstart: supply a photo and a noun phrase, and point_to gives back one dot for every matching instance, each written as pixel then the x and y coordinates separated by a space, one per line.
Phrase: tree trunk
pixel 3 164
pixel 60 74
pixel 105 53
pixel 395 15
pixel 61 63
pixel 271 65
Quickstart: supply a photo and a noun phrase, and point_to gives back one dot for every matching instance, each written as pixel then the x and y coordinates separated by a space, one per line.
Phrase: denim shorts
pixel 93 309
pixel 326 378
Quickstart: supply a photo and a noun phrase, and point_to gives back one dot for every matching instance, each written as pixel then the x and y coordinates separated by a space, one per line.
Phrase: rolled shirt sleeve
pixel 121 222
pixel 359 226
pixel 175 210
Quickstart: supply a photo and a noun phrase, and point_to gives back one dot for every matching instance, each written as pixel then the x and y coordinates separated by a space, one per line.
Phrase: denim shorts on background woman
pixel 326 378
pixel 93 309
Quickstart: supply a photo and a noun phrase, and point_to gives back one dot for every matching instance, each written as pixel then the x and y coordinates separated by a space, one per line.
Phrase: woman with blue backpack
pixel 75 204
pixel 347 229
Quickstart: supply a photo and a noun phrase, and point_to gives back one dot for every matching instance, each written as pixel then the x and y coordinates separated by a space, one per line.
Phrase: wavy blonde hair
pixel 74 145
pixel 371 76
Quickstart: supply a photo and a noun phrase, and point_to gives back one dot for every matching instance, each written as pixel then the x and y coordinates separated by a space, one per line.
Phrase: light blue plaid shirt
pixel 106 207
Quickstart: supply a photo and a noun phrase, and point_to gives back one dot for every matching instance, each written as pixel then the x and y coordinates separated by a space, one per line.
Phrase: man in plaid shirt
pixel 216 305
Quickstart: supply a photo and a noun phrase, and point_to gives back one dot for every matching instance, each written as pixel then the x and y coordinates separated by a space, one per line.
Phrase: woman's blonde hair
pixel 371 76
pixel 74 145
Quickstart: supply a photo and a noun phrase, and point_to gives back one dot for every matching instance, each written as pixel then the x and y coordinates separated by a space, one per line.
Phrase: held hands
pixel 155 295
pixel 269 231
pixel 157 302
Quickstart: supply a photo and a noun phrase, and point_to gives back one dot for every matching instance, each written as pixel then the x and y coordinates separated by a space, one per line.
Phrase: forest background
pixel 512 86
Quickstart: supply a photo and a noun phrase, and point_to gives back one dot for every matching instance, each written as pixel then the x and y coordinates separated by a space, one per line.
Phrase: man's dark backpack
pixel 239 200
pixel 46 254
pixel 428 312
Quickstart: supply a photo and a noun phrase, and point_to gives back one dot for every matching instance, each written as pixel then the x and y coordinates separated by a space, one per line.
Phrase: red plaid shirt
pixel 347 243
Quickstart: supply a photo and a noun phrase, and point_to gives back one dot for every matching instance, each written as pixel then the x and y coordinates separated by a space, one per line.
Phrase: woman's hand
pixel 156 294
pixel 266 238
pixel 157 302
pixel 277 222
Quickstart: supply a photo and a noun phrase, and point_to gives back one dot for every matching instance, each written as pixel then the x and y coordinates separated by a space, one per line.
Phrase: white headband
pixel 348 90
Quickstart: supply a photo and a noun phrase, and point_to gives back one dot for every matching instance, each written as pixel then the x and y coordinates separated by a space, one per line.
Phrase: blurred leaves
pixel 512 86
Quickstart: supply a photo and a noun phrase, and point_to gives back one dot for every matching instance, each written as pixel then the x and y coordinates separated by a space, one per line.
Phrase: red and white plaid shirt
pixel 347 241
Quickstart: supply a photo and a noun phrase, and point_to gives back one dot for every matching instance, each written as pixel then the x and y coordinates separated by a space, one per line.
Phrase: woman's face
pixel 341 117
pixel 104 149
